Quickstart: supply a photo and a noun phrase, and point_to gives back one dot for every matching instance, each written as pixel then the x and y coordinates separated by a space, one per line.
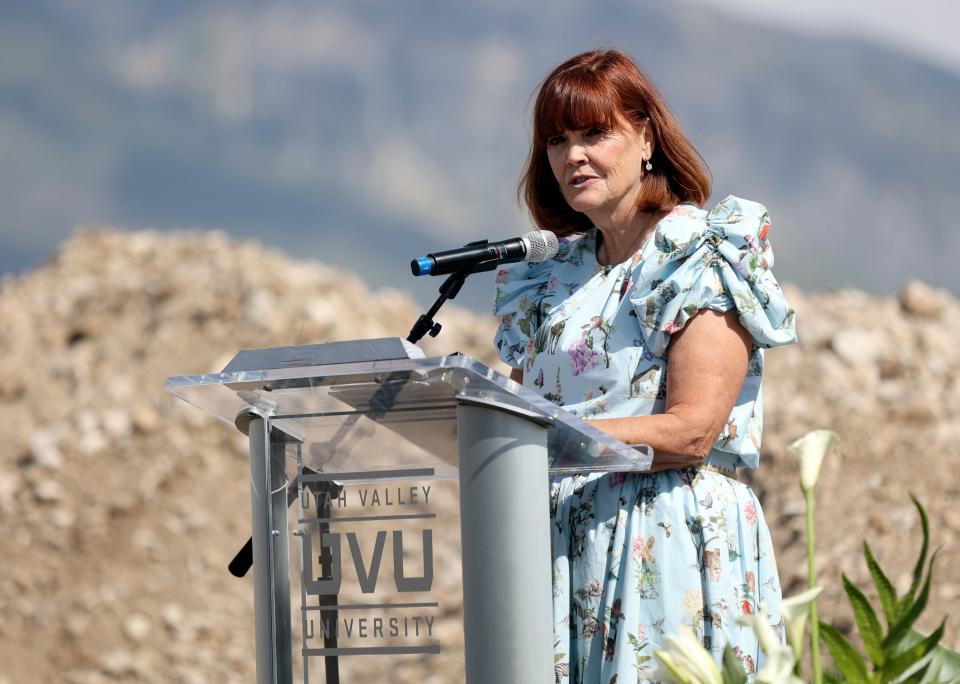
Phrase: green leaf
pixel 844 655
pixel 867 622
pixel 902 628
pixel 944 663
pixel 948 667
pixel 907 600
pixel 888 595
pixel 900 663
pixel 924 674
pixel 833 677
pixel 733 672
pixel 948 662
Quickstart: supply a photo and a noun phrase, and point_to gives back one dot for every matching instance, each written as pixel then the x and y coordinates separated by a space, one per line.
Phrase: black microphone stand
pixel 328 602
pixel 323 494
pixel 449 290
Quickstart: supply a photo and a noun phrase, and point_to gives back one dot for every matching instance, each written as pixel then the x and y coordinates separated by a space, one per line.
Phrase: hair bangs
pixel 575 103
pixel 606 88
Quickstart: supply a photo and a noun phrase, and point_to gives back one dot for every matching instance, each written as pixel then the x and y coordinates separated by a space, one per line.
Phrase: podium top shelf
pixel 361 412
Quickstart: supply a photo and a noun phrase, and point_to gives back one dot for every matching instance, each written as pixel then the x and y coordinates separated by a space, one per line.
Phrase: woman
pixel 650 323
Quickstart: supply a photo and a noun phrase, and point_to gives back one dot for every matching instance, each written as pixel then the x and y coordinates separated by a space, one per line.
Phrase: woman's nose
pixel 576 155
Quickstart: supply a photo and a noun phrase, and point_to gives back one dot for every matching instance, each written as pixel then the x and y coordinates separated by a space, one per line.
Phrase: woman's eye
pixel 595 132
pixel 555 140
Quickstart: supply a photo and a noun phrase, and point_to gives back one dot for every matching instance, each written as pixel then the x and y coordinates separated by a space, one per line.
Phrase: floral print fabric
pixel 636 556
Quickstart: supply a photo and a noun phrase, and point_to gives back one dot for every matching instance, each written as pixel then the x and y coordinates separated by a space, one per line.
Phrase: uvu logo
pixel 367 573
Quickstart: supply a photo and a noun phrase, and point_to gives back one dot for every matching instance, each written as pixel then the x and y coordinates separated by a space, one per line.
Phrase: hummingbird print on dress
pixel 555 331
pixel 539 379
pixel 557 395
pixel 648 579
pixel 711 564
pixel 731 433
pixel 641 385
pixel 749 666
pixel 644 550
pixel 540 339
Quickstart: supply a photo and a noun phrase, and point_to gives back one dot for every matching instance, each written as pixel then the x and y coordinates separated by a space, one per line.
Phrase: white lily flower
pixel 760 625
pixel 810 449
pixel 686 661
pixel 778 668
pixel 669 671
pixel 795 611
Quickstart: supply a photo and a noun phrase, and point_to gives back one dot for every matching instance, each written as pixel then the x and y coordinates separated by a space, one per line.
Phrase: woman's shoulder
pixel 688 225
pixel 718 259
pixel 684 224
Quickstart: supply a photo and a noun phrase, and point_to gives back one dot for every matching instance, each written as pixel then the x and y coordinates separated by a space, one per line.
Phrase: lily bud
pixel 810 449
pixel 795 611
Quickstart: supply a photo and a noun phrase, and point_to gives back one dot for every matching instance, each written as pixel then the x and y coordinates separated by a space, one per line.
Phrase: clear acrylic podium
pixel 419 483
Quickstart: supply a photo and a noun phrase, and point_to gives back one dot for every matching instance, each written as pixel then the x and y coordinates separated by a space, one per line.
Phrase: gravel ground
pixel 123 506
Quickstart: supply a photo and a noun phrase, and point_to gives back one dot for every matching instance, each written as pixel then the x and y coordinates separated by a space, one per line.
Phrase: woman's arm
pixel 708 363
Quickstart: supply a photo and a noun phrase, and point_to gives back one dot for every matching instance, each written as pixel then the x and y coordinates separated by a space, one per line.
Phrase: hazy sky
pixel 328 127
pixel 927 28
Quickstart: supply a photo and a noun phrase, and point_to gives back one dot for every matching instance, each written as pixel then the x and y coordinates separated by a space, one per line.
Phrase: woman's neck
pixel 622 238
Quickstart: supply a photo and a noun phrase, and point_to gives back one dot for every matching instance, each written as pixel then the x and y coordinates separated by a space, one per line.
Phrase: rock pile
pixel 883 373
pixel 119 508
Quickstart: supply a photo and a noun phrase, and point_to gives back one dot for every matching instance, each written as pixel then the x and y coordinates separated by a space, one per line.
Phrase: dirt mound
pixel 121 511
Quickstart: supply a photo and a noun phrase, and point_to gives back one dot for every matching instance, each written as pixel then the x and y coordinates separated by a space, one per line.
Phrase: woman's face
pixel 599 170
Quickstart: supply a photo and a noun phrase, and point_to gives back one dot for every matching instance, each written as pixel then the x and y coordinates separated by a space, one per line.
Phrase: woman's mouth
pixel 582 181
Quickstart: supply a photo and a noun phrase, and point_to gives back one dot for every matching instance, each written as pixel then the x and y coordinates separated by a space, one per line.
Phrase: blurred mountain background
pixel 364 134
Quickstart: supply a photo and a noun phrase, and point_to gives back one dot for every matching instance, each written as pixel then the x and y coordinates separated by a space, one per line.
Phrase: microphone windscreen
pixel 541 245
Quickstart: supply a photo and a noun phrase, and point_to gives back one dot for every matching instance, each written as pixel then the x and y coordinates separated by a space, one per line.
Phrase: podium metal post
pixel 271 578
pixel 505 536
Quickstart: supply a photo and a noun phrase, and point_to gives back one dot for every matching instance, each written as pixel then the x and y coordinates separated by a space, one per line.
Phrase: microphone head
pixel 541 245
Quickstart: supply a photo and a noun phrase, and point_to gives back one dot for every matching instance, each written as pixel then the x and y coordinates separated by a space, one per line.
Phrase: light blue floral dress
pixel 635 556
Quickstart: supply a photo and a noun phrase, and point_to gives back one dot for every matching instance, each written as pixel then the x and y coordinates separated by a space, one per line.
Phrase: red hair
pixel 606 88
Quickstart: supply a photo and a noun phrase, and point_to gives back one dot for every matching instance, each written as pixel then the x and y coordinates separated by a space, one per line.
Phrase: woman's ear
pixel 648 142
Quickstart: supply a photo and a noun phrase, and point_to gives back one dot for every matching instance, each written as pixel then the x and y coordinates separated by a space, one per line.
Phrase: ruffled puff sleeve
pixel 726 266
pixel 722 265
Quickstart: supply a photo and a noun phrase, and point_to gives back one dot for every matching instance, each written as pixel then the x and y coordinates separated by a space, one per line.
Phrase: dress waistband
pixel 729 472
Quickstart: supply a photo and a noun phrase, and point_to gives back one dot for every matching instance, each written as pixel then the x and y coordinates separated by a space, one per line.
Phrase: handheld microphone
pixel 534 247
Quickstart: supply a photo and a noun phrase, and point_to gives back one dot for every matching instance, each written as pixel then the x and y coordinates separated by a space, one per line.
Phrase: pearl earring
pixel 649 166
